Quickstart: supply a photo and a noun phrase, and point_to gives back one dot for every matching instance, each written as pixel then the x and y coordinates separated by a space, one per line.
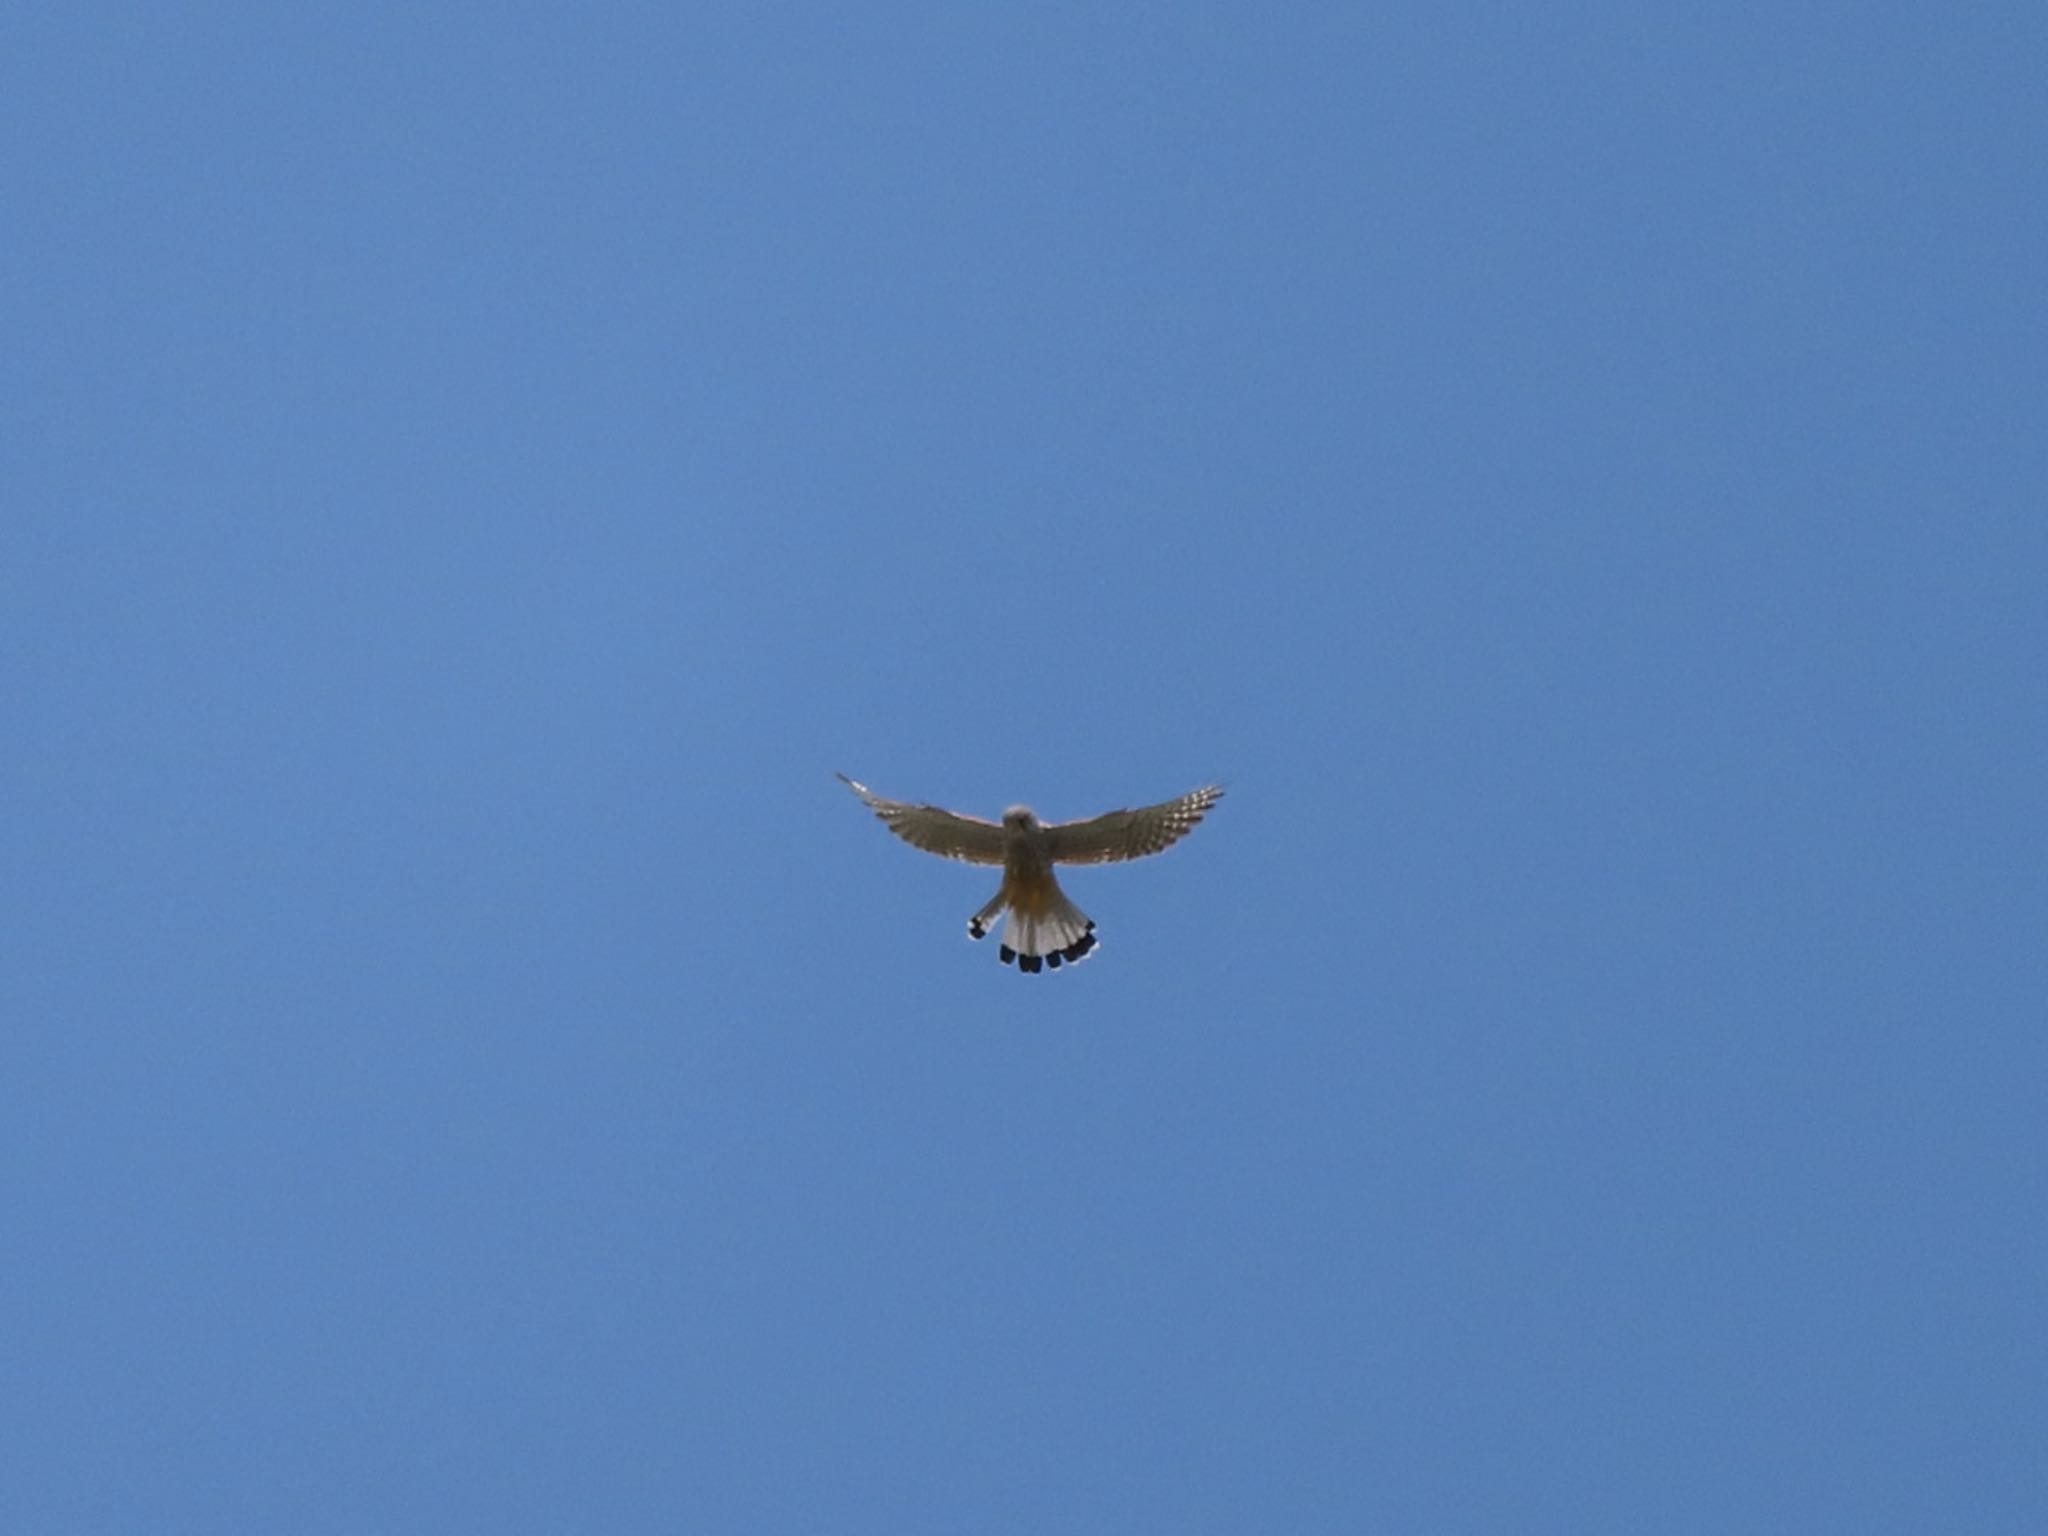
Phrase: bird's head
pixel 1018 818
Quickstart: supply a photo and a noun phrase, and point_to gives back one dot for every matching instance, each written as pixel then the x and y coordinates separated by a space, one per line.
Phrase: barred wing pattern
pixel 935 830
pixel 1129 834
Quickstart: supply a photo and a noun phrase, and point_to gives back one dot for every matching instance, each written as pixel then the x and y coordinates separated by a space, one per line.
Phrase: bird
pixel 1044 929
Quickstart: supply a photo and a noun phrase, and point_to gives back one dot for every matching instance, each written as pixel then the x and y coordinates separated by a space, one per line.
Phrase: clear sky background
pixel 472 473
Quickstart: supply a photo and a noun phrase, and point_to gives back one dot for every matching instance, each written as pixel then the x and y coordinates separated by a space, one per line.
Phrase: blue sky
pixel 473 473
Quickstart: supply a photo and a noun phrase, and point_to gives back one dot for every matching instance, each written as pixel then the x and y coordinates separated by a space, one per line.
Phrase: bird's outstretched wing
pixel 1129 834
pixel 935 830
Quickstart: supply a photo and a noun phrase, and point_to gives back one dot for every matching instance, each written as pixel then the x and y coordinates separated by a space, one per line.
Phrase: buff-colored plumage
pixel 934 830
pixel 1043 928
pixel 1130 834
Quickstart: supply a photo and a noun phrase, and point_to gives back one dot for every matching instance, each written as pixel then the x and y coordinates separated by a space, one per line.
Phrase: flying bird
pixel 1044 928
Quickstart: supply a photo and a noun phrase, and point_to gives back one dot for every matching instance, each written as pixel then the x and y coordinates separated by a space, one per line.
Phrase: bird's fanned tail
pixel 1044 929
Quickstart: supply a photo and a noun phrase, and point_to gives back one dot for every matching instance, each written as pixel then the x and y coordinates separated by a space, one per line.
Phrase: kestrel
pixel 1043 928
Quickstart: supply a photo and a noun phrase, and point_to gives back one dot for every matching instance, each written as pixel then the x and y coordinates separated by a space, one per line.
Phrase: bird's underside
pixel 1043 928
